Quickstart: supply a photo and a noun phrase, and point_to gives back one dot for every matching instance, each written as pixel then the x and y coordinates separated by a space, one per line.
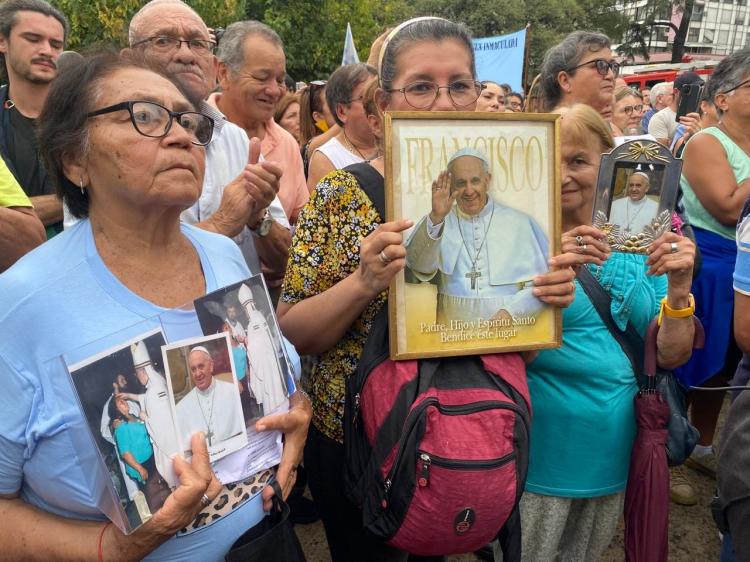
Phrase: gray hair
pixel 474 153
pixel 342 82
pixel 421 30
pixel 563 57
pixel 625 91
pixel 136 22
pixel 231 49
pixel 659 90
pixel 727 75
pixel 10 8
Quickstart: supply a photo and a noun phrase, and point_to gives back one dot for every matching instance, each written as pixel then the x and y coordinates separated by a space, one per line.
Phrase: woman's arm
pixel 712 179
pixel 31 534
pixel 315 324
pixel 674 341
pixel 129 459
pixel 318 168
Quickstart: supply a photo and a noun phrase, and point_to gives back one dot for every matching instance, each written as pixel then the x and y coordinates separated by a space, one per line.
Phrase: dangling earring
pixel 80 182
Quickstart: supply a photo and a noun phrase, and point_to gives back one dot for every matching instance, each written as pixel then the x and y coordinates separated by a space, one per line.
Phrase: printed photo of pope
pixel 481 254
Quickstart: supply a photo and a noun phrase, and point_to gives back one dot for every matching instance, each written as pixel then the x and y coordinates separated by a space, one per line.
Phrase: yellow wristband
pixel 676 313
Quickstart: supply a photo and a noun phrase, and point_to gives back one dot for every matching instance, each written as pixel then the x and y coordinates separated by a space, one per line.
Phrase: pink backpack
pixel 437 450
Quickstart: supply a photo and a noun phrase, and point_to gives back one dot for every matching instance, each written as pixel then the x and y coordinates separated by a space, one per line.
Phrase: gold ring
pixel 673 248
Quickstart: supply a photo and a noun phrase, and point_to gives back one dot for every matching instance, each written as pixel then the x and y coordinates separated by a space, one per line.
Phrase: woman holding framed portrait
pixel 344 257
pixel 582 393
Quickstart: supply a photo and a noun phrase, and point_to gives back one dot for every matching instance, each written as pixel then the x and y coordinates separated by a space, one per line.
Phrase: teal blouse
pixel 582 393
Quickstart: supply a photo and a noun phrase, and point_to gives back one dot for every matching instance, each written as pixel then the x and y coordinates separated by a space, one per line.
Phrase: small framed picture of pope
pixel 483 191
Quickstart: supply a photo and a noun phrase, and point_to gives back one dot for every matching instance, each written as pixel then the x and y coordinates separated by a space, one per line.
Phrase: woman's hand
pixel 674 255
pixel 442 198
pixel 581 245
pixel 179 510
pixel 294 424
pixel 142 472
pixel 381 255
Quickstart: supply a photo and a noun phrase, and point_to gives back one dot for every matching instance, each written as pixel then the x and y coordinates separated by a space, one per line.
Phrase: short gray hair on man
pixel 231 48
pixel 659 90
pixel 474 153
pixel 341 84
pixel 418 31
pixel 136 22
pixel 727 75
pixel 563 57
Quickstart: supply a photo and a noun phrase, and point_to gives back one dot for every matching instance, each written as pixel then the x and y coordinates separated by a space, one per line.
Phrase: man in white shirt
pixel 483 253
pixel 212 406
pixel 239 197
pixel 635 210
pixel 663 124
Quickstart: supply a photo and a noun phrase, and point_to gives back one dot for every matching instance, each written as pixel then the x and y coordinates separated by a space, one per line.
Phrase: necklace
pixel 475 274
pixel 351 148
pixel 209 421
pixel 630 221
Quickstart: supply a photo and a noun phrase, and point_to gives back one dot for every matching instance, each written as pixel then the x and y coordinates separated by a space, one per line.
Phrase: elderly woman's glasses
pixel 602 66
pixel 167 43
pixel 629 109
pixel 422 95
pixel 153 120
pixel 737 87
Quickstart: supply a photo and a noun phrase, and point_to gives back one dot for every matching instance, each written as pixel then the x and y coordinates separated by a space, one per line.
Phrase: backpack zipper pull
pixel 386 489
pixel 424 476
pixel 355 417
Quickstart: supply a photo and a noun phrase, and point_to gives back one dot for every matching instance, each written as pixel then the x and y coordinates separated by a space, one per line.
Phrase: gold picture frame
pixel 470 292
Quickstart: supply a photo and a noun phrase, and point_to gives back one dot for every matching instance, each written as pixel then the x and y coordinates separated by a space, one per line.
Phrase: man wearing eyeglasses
pixel 32 36
pixel 239 197
pixel 663 125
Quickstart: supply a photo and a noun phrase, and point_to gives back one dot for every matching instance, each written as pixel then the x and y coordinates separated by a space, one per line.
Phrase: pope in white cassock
pixel 634 212
pixel 212 406
pixel 484 254
pixel 265 373
pixel 155 403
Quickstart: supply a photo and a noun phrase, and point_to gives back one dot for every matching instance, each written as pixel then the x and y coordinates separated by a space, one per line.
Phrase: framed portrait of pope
pixel 483 192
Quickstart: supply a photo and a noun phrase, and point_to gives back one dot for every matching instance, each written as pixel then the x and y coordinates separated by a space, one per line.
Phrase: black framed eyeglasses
pixel 422 95
pixel 737 87
pixel 602 66
pixel 153 120
pixel 168 43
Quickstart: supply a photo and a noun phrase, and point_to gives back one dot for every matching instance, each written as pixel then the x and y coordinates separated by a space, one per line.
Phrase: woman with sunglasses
pixel 126 149
pixel 626 115
pixel 580 69
pixel 344 256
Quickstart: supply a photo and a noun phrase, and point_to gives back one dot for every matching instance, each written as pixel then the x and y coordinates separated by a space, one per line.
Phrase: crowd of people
pixel 135 180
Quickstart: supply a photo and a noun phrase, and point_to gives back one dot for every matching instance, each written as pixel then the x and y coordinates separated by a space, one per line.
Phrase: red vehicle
pixel 644 76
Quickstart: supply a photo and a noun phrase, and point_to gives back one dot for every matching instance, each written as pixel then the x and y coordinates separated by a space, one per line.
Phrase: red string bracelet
pixel 101 538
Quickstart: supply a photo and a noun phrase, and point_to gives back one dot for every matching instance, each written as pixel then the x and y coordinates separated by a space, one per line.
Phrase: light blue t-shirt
pixel 582 393
pixel 54 301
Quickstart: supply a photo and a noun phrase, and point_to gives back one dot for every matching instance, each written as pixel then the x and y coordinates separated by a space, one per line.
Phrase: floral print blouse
pixel 325 250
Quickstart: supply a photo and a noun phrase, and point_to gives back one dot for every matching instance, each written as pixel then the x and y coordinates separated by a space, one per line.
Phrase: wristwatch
pixel 264 226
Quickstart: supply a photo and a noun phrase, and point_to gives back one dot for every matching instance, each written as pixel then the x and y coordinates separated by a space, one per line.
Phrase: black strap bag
pixel 271 540
pixel 681 436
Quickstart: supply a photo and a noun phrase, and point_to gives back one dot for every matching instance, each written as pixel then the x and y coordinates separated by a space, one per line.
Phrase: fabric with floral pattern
pixel 325 250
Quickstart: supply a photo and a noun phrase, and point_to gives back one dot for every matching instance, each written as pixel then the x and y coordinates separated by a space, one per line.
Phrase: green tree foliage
pixel 313 31
pixel 636 38
pixel 106 21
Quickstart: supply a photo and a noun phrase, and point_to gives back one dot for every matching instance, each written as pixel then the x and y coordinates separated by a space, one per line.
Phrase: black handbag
pixel 271 540
pixel 681 435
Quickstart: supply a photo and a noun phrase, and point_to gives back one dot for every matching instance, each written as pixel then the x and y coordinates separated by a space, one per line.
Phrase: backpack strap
pixel 371 182
pixel 630 340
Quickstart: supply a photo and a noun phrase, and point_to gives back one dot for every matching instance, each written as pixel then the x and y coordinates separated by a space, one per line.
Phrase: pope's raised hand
pixel 442 198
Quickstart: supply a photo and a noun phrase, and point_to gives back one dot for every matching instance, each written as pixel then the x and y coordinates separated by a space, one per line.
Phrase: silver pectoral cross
pixel 210 437
pixel 473 275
